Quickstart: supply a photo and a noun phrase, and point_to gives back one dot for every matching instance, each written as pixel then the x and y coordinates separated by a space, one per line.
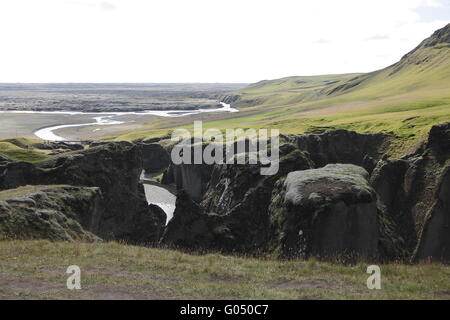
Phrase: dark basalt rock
pixel 341 220
pixel 392 182
pixel 51 212
pixel 341 146
pixel 115 168
pixel 441 36
pixel 439 141
pixel 234 210
pixel 330 213
pixel 192 228
pixel 408 187
pixel 231 99
pixel 434 243
pixel 191 178
pixel 58 145
pixel 154 157
pixel 4 158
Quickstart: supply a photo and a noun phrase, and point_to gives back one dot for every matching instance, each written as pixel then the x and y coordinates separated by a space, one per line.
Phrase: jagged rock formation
pixel 192 178
pixel 234 213
pixel 409 187
pixel 154 157
pixel 393 184
pixel 50 212
pixel 234 199
pixel 337 146
pixel 320 202
pixel 234 208
pixel 435 237
pixel 331 213
pixel 194 229
pixel 115 168
pixel 341 146
pixel 242 211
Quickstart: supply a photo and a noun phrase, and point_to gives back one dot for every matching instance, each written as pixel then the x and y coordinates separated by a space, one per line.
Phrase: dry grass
pixel 36 270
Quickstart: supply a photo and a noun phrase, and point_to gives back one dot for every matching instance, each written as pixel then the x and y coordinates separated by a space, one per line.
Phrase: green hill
pixel 406 99
pixel 425 69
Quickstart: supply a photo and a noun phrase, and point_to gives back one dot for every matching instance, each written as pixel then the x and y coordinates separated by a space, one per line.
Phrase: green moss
pixel 15 149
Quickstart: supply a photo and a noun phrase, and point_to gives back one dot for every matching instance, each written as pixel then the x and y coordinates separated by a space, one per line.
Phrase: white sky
pixel 207 40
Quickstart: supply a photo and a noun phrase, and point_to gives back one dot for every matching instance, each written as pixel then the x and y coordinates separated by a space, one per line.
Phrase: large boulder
pixel 50 212
pixel 330 213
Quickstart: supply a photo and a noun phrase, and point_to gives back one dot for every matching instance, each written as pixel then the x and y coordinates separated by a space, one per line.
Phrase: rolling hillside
pixel 405 99
pixel 426 69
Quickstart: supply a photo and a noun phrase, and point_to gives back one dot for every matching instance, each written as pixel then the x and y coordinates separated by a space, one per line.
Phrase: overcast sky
pixel 207 40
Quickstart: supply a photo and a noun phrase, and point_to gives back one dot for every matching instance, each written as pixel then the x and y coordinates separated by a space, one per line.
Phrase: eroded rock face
pixel 439 141
pixel 434 242
pixel 115 168
pixel 192 178
pixel 341 146
pixel 408 187
pixel 154 157
pixel 234 210
pixel 330 213
pixel 392 180
pixel 193 228
pixel 51 212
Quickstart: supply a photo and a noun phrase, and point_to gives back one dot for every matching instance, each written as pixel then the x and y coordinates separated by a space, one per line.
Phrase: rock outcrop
pixel 392 180
pixel 320 203
pixel 115 168
pixel 409 187
pixel 192 178
pixel 51 212
pixel 192 228
pixel 330 213
pixel 154 157
pixel 434 241
pixel 234 209
pixel 341 146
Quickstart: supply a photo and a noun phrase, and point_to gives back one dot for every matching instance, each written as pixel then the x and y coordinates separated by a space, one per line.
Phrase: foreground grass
pixel 36 269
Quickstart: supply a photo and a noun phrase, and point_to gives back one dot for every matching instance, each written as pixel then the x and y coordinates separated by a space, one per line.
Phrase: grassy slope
pixel 406 98
pixel 21 149
pixel 36 269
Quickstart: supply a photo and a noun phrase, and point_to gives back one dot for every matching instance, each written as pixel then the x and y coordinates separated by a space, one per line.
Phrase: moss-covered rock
pixel 331 213
pixel 50 212
pixel 115 168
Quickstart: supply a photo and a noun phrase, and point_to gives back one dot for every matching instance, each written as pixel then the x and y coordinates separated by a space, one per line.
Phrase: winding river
pixel 104 118
pixel 154 194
